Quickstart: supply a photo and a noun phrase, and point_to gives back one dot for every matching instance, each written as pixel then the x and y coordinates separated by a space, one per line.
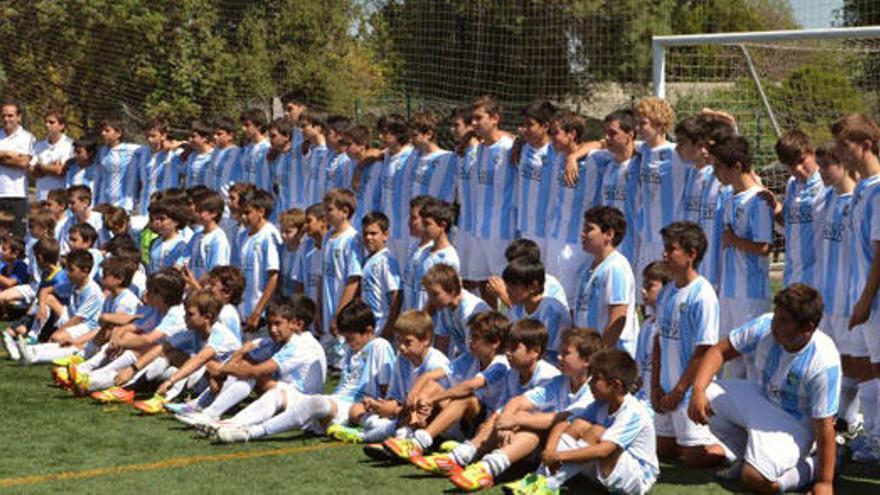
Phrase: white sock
pixel 377 429
pixel 154 370
pixel 233 392
pixel 464 453
pixel 261 409
pixel 798 476
pixel 423 438
pixel 48 352
pixel 124 360
pixel 102 379
pixel 849 401
pixel 497 462
pixel 11 346
pixel 868 400
pixel 306 409
pixel 566 470
pixel 404 432
pixel 95 361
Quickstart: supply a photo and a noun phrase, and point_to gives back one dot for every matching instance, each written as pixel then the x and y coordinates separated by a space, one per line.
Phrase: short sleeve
pixel 746 338
pixel 824 392
pixel 271 258
pixel 619 286
pixel 625 429
pixel 391 275
pixel 705 315
pixel 762 221
pixel 875 207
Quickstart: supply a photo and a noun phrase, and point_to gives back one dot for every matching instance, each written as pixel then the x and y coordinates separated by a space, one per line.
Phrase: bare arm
pixel 709 366
pixel 393 311
pixel 464 389
pixel 12 159
pixel 862 309
pixel 245 369
pixel 615 325
pixel 188 368
pixel 826 449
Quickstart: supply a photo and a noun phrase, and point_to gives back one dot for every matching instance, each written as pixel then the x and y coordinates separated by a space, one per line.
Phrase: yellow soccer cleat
pixel 345 434
pixel 155 405
pixel 60 377
pixel 474 477
pixel 442 464
pixel 114 395
pixel 403 448
pixel 73 358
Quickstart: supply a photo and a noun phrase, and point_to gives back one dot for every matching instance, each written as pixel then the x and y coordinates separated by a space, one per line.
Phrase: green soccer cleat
pixel 345 434
pixel 404 448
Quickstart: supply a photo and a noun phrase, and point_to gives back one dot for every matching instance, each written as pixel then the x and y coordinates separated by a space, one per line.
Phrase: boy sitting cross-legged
pixel 366 372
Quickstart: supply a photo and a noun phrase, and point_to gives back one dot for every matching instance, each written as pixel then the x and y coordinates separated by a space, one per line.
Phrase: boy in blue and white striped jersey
pixel 169 250
pixel 797 213
pixel 392 192
pixel 366 372
pixel 259 259
pixel 82 168
pixel 79 200
pixel 380 284
pixel 528 248
pixel 366 167
pixel 453 308
pixel 606 298
pixel 524 278
pixel 535 169
pixel 158 165
pixel 340 167
pixel 280 165
pixel 687 325
pixel 833 275
pixel 314 127
pixel 788 404
pixel 748 232
pixel 654 277
pixel 309 272
pixel 224 169
pixel 437 219
pixel 433 171
pixel 209 248
pixel 291 224
pixel 411 284
pixel 117 172
pixel 252 158
pixel 198 162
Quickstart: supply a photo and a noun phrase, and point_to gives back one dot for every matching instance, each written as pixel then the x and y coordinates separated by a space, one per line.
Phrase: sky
pixel 813 14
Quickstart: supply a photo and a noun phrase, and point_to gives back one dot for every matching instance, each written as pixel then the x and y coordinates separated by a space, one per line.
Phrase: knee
pixel 702 456
pixel 667 448
pixel 754 481
pixel 356 413
pixel 578 428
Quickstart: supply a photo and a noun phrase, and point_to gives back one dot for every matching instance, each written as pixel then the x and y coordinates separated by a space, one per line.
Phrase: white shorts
pixel 737 312
pixel 628 476
pixel 848 343
pixel 868 335
pixel 757 431
pixel 566 262
pixel 78 330
pixel 27 294
pixel 678 425
pixel 482 258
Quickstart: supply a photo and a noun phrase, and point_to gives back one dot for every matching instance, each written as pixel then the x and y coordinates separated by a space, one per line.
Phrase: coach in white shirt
pixel 16 147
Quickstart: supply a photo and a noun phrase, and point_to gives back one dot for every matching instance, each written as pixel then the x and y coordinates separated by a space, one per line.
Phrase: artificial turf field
pixel 53 443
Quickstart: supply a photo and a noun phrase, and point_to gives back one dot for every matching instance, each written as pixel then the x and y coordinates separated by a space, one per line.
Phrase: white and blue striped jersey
pixel 341 261
pixel 744 275
pixel 570 202
pixel 661 176
pixel 610 283
pixel 168 253
pixel 258 260
pixel 98 257
pixel 711 201
pixel 687 317
pixel 117 176
pixel 555 395
pixel 251 157
pixel 533 200
pixel 289 262
pixel 149 318
pixel 62 230
pixel 406 373
pixel 466 185
pixel 124 303
pixel 620 189
pixel 172 322
pixel 367 191
pixel 197 167
pixel 495 191
pixel 381 279
pixel 467 366
pixel 367 372
pixel 632 428
pixel 301 361
pixel 865 227
pixel 433 174
pixel 46 153
pixel 316 162
pixel 553 288
pixel 82 176
pixel 411 283
pixel 337 174
pixel 835 252
pixel 805 384
pixel 453 322
pixel 291 178
pixel 513 386
pixel 801 232
pixel 225 170
pixel 392 197
pixel 309 269
pixel 553 315
pixel 220 338
pixel 207 251
pixel 230 317
pixel 644 357
pixel 86 303
pixel 156 172
pixel 265 172
pixel 430 258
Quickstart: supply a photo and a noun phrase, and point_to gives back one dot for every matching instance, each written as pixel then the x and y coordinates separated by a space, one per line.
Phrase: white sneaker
pixel 195 419
pixel 11 347
pixel 233 434
pixel 27 354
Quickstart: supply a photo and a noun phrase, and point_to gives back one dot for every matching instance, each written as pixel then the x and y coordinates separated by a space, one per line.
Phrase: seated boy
pixel 366 372
pixel 611 441
pixel 453 308
pixel 526 247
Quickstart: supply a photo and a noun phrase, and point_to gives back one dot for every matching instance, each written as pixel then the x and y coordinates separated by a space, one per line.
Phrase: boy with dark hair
pixel 453 307
pixel 528 248
pixel 50 154
pixel 606 299
pixel 254 124
pixel 380 287
pixel 535 168
pixel 654 277
pixel 80 169
pixel 340 167
pixel 79 200
pixel 437 218
pixel 291 224
pixel 209 247
pixel 433 171
pixel 224 169
pixel 117 175
pixel 314 127
pixel 365 171
pixel 789 402
pixel 418 247
pixel 259 259
pixel 308 274
pixel 201 151
pixel 170 250
pixel 392 193
pixel 620 180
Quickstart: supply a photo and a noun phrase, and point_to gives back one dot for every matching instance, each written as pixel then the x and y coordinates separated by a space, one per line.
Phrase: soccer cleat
pixel 442 464
pixel 113 395
pixel 73 358
pixel 474 477
pixel 11 347
pixel 530 484
pixel 345 434
pixel 79 381
pixel 180 408
pixel 378 452
pixel 449 445
pixel 233 434
pixel 61 377
pixel 152 405
pixel 403 448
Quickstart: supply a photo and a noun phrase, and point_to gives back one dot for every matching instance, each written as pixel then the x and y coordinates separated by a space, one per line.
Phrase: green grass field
pixel 53 443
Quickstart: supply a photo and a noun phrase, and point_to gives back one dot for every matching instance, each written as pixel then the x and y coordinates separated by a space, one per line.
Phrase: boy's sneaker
pixel 378 452
pixel 474 477
pixel 113 395
pixel 11 347
pixel 530 484
pixel 79 382
pixel 233 434
pixel 152 405
pixel 443 464
pixel 449 445
pixel 73 358
pixel 194 418
pixel 180 408
pixel 61 377
pixel 403 448
pixel 345 434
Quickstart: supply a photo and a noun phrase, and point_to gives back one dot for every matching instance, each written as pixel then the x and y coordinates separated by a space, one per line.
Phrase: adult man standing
pixel 16 147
